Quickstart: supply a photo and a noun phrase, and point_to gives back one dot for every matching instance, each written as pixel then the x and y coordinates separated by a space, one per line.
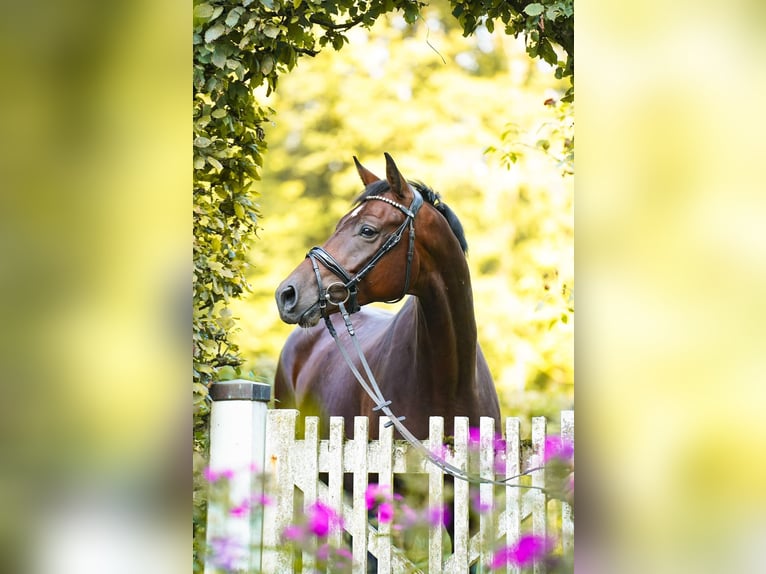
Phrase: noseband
pixel 346 289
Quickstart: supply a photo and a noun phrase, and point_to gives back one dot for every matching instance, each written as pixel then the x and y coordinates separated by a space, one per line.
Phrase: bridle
pixel 346 289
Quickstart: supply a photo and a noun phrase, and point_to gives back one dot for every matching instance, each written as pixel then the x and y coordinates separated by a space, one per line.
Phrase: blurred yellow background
pixel 671 270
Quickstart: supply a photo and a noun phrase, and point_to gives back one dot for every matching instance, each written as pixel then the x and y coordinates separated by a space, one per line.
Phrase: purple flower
pixel 226 553
pixel 527 550
pixel 558 447
pixel 322 518
pixel 474 436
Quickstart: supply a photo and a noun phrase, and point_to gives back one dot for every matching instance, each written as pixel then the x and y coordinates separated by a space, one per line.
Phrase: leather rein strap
pixel 370 384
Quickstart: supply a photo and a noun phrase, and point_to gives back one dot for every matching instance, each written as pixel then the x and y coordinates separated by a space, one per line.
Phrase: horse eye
pixel 368 232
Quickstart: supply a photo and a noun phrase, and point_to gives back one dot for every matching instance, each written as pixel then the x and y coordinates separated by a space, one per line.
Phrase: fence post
pixel 237 444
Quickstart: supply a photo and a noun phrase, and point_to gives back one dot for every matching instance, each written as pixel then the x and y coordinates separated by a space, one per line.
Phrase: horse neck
pixel 446 325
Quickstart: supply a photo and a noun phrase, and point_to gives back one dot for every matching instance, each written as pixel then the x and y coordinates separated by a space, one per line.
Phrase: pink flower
pixel 241 509
pixel 438 515
pixel 480 506
pixel 385 512
pixel 322 518
pixel 262 500
pixel 500 462
pixel 292 532
pixel 215 475
pixel 527 550
pixel 344 553
pixel 409 516
pixel 376 494
pixel 474 436
pixel 440 452
pixel 558 447
pixel 323 552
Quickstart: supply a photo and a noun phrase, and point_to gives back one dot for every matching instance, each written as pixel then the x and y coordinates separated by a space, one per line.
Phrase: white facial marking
pixel 353 213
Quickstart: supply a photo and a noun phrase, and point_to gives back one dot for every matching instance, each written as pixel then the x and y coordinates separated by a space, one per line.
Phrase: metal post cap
pixel 240 390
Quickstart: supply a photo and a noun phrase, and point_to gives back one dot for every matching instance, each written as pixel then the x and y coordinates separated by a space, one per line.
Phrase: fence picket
pixel 335 470
pixel 386 481
pixel 539 504
pixel 459 560
pixel 486 491
pixel 435 495
pixel 512 528
pixel 567 513
pixel 308 469
pixel 280 428
pixel 359 512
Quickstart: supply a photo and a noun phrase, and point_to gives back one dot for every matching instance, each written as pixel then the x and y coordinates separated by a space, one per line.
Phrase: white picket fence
pixel 292 463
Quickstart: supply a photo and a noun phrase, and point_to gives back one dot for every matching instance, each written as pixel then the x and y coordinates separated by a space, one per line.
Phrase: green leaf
pixel 534 9
pixel 267 64
pixel 270 31
pixel 215 31
pixel 202 142
pixel 203 11
pixel 233 16
pixel 219 58
pixel 215 163
pixel 226 373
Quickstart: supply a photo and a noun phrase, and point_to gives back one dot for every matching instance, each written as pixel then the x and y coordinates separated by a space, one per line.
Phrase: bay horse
pixel 426 358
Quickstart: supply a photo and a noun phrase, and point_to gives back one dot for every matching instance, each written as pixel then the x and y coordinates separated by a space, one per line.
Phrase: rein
pixel 370 384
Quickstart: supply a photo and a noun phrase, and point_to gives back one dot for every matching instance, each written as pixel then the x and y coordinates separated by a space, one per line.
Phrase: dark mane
pixel 429 195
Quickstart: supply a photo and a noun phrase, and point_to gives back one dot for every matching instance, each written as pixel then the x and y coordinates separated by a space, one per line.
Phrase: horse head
pixel 370 256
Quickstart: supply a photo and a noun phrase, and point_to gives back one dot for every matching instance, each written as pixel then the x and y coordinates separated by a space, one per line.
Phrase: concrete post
pixel 237 447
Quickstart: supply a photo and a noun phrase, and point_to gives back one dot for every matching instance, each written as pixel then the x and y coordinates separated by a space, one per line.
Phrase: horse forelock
pixel 429 195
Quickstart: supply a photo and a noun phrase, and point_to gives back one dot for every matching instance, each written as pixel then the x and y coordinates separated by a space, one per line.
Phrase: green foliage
pixel 555 137
pixel 544 24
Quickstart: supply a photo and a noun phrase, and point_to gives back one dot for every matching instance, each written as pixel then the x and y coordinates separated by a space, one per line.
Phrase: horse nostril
pixel 288 297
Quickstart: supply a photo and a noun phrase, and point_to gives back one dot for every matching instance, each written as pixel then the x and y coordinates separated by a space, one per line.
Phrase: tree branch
pixel 333 26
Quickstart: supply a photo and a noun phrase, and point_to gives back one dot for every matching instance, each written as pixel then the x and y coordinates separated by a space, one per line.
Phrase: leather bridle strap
pixel 349 282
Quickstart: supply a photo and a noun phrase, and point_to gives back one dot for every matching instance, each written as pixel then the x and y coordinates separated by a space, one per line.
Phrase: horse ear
pixel 395 179
pixel 367 176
